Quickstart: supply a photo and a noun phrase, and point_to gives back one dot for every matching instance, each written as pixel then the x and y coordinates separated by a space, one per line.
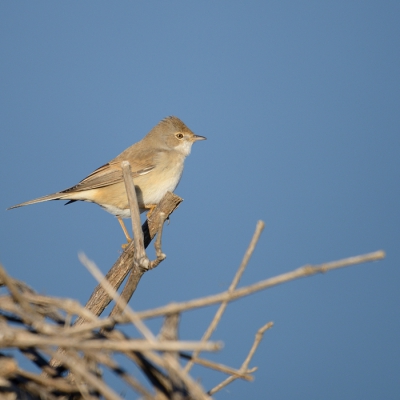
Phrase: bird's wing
pixel 107 174
pixel 111 173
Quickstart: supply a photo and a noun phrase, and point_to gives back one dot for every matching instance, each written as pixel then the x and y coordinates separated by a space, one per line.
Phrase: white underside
pixel 118 212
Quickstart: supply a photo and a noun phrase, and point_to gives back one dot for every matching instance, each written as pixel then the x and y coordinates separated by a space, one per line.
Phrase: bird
pixel 157 164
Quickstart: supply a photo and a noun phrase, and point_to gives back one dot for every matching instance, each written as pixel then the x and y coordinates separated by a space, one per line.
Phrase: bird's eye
pixel 179 135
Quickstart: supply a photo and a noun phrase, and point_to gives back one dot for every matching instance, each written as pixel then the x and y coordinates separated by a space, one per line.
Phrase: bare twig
pixel 157 245
pixel 169 329
pixel 106 360
pixel 232 287
pixel 171 364
pixel 301 272
pixel 218 367
pixel 243 368
pixel 21 338
pixel 194 388
pixel 79 370
pixel 29 315
pixel 140 256
pixel 56 384
pixel 226 296
pixel 70 306
pixel 146 360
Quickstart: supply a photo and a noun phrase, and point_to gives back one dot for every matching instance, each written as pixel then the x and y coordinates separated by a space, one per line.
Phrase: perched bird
pixel 157 165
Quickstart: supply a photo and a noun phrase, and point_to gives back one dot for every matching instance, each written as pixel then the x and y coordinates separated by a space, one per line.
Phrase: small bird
pixel 157 165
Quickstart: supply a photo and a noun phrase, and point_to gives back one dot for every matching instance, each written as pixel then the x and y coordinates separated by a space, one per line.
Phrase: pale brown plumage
pixel 157 164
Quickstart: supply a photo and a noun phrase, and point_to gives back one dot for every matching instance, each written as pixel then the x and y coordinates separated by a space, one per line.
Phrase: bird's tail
pixel 54 196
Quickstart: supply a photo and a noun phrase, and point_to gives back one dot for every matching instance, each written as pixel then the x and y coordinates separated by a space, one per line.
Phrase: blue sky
pixel 299 102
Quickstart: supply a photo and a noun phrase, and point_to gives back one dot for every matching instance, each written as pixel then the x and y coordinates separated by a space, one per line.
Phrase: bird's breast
pixel 164 178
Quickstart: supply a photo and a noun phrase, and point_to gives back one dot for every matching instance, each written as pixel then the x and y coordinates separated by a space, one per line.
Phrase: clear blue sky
pixel 300 105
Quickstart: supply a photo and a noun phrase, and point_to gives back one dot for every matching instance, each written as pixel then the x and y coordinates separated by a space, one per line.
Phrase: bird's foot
pixel 151 208
pixel 125 245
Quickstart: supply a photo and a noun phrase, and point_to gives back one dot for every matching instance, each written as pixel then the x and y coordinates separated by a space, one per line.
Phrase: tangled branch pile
pixel 37 325
pixel 71 351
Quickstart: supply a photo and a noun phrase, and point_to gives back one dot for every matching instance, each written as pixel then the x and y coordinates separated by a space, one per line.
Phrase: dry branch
pixel 140 259
pixel 36 325
pixel 246 362
pixel 91 266
pixel 99 299
pixel 232 287
pixel 301 272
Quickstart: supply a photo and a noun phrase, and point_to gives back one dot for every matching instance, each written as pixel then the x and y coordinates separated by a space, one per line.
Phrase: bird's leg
pixel 121 222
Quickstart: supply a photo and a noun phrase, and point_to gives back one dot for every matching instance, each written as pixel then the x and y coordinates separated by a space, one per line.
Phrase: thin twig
pixel 162 383
pixel 301 272
pixel 20 338
pixel 217 367
pixel 242 292
pixel 218 315
pixel 56 384
pixel 139 253
pixel 246 362
pixel 78 369
pixel 170 363
pixel 16 295
pixel 157 245
pixel 157 378
pixel 118 370
pixel 68 305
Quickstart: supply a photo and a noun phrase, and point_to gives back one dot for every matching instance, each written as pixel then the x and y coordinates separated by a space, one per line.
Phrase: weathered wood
pixel 99 299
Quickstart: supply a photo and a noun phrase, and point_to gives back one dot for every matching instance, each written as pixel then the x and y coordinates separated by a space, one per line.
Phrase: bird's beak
pixel 198 137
